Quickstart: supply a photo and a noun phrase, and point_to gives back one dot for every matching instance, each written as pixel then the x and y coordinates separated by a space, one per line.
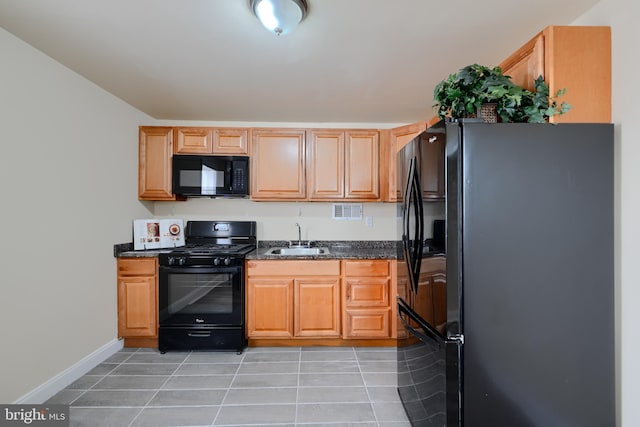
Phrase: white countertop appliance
pixel 157 233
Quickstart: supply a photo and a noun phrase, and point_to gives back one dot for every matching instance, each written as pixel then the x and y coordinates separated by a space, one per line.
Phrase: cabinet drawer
pixel 371 323
pixel 367 268
pixel 137 266
pixel 293 268
pixel 367 291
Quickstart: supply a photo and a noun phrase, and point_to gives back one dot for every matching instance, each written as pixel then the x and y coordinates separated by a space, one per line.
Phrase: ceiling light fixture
pixel 279 16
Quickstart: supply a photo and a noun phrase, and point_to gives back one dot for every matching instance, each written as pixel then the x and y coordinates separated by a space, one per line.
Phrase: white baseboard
pixel 48 389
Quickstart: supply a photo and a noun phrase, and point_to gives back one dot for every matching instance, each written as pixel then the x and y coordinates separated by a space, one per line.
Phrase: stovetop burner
pixel 213 249
pixel 213 243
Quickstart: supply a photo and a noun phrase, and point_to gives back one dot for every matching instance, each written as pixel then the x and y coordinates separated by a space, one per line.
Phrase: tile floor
pixel 293 386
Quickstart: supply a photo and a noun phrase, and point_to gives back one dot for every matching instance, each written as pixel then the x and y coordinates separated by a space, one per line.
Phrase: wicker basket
pixel 488 112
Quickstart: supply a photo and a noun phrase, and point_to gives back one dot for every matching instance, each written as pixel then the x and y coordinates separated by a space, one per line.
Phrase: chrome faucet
pixel 299 235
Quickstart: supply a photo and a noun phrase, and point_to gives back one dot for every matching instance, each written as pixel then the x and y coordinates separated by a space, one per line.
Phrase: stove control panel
pixel 211 260
pixel 176 260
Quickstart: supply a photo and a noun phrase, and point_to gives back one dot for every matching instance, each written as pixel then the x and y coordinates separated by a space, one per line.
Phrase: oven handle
pixel 204 334
pixel 197 269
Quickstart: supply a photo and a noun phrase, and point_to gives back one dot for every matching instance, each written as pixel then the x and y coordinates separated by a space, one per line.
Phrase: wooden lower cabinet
pixel 367 323
pixel 270 307
pixel 317 307
pixel 293 298
pixel 331 300
pixel 138 301
pixel 367 290
pixel 430 300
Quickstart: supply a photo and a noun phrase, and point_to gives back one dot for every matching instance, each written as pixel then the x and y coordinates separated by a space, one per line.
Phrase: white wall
pixel 622 16
pixel 68 172
pixel 276 220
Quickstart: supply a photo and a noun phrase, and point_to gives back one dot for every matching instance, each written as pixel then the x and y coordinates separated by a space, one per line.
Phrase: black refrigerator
pixel 516 329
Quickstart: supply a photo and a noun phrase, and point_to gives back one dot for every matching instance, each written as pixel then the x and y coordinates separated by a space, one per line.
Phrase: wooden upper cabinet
pixel 231 141
pixel 155 148
pixel 325 164
pixel 343 164
pixel 432 167
pixel 392 141
pixel 191 140
pixel 206 140
pixel 362 163
pixel 572 57
pixel 525 65
pixel 278 164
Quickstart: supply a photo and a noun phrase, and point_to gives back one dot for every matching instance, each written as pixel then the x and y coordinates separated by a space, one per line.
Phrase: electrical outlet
pixel 369 221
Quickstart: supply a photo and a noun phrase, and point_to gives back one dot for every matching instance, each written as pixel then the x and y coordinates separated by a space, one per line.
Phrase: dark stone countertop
pixel 338 249
pixel 342 249
pixel 125 250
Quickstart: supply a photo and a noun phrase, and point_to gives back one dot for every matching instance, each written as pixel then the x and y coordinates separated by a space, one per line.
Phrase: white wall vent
pixel 349 211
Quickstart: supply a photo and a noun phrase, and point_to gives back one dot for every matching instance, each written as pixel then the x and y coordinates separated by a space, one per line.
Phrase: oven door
pixel 201 296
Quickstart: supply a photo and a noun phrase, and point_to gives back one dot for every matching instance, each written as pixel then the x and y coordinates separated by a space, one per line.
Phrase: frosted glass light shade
pixel 279 16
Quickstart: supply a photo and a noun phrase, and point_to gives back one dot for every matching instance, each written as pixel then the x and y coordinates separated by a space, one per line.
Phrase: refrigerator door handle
pixel 428 333
pixel 406 221
pixel 419 237
pixel 415 246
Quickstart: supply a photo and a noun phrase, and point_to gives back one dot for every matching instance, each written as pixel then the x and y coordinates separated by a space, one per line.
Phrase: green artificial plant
pixel 462 94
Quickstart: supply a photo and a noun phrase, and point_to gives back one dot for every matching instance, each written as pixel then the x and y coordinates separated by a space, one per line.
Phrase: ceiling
pixel 356 61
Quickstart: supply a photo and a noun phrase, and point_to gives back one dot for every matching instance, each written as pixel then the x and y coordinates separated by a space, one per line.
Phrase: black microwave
pixel 211 176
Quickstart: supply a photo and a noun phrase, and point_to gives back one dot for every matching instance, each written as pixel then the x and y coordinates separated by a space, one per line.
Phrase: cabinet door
pixel 439 295
pixel 325 164
pixel 278 164
pixel 578 59
pixel 270 307
pixel 432 167
pixel 317 307
pixel 193 140
pixel 423 299
pixel 137 307
pixel 231 141
pixel 137 298
pixel 362 165
pixel 154 163
pixel 527 63
pixel 394 139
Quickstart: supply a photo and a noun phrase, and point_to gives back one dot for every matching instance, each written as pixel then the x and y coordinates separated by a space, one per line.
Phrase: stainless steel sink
pixel 293 251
